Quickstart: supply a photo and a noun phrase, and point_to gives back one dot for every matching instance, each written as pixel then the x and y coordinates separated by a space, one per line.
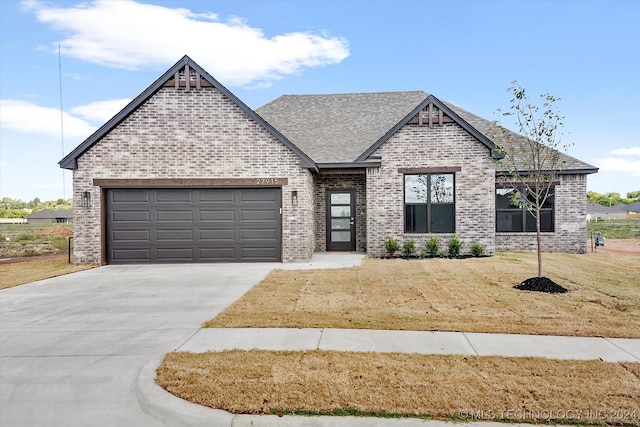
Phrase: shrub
pixel 477 249
pixel 25 237
pixel 454 246
pixel 432 246
pixel 60 242
pixel 423 255
pixel 409 247
pixel 391 245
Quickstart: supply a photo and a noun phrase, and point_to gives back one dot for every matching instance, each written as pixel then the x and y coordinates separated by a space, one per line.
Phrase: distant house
pixel 598 212
pixel 47 215
pixel 189 173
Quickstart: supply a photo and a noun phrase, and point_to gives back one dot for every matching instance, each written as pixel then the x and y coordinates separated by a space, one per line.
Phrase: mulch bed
pixel 541 284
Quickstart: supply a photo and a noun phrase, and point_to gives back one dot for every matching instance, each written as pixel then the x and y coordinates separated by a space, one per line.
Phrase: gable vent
pixel 431 115
pixel 187 78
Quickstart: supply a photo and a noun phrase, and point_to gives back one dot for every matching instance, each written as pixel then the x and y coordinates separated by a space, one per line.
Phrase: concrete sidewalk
pixel 173 411
pixel 466 343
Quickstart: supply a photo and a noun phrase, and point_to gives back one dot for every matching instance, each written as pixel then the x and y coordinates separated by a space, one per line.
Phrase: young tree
pixel 531 158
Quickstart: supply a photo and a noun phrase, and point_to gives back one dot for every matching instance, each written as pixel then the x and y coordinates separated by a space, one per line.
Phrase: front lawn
pixel 471 295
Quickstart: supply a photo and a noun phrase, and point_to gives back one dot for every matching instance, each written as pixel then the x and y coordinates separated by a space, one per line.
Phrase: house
pixel 188 173
pixel 598 212
pixel 47 215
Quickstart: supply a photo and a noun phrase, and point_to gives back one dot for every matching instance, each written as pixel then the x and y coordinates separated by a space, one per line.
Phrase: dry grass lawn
pixel 472 295
pixel 426 386
pixel 19 273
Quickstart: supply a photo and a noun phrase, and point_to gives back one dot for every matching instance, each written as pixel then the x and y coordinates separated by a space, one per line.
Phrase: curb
pixel 171 410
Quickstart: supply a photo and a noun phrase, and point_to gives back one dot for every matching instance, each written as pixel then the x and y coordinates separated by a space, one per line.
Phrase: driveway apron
pixel 71 347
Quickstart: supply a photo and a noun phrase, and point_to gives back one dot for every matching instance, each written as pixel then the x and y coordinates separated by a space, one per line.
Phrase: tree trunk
pixel 538 241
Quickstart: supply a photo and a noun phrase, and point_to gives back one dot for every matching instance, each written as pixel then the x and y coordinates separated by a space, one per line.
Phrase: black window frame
pixel 527 221
pixel 411 212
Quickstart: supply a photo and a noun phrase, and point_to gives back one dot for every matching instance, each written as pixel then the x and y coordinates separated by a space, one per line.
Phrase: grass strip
pixel 394 385
pixel 19 273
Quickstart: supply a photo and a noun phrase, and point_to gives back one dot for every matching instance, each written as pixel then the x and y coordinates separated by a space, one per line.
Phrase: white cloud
pixel 30 118
pixel 621 160
pixel 631 151
pixel 100 111
pixel 130 35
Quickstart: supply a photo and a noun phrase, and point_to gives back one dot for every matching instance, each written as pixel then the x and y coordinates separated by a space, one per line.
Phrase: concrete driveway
pixel 71 347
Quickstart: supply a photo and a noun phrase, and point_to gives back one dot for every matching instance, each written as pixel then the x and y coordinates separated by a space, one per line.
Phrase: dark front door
pixel 341 220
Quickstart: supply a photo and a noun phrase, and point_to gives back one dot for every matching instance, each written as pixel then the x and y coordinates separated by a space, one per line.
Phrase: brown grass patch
pixel 428 386
pixel 19 273
pixel 472 295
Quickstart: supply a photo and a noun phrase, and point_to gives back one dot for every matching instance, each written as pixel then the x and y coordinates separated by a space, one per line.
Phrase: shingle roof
pixel 485 127
pixel 49 214
pixel 339 127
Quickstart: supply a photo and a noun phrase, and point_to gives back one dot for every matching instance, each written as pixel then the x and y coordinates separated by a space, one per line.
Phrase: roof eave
pixel 578 171
pixel 349 165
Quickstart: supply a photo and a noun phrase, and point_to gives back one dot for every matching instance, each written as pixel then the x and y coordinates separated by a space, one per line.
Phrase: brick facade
pixel 415 146
pixel 570 220
pixel 192 134
pixel 185 131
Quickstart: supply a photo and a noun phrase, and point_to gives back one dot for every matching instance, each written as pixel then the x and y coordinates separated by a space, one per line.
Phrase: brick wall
pixel 194 134
pixel 335 182
pixel 416 146
pixel 570 233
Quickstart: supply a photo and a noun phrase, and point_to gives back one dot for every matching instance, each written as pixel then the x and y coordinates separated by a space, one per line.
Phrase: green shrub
pixel 432 246
pixel 454 246
pixel 423 255
pixel 477 249
pixel 409 247
pixel 391 245
pixel 60 242
pixel 25 237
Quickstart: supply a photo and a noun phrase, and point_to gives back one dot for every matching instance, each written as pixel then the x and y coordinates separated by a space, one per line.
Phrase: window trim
pixel 428 172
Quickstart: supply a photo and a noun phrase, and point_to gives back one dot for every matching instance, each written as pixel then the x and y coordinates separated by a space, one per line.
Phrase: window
pixel 429 205
pixel 512 214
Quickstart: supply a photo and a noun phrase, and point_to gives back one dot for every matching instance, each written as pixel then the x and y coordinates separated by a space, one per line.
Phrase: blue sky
pixel 464 52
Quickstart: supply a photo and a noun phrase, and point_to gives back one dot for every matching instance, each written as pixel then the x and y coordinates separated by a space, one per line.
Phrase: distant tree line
pixel 612 199
pixel 16 208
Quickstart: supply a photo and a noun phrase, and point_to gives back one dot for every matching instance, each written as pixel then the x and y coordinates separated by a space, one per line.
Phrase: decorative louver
pixel 187 78
pixel 432 116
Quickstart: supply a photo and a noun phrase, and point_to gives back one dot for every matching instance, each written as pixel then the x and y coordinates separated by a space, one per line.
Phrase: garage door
pixel 193 225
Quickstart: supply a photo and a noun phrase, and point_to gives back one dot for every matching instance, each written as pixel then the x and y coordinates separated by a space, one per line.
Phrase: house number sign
pixel 268 181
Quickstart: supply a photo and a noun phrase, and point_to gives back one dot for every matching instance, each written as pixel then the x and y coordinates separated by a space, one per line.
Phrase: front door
pixel 341 220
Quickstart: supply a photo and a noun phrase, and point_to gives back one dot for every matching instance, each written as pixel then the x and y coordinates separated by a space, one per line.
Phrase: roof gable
pixel 183 73
pixel 426 106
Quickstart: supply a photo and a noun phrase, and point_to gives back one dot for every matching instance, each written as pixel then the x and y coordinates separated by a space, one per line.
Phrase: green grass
pixel 29 238
pixel 616 228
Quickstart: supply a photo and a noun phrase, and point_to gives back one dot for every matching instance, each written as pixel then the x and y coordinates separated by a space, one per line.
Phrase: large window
pixel 429 205
pixel 512 214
